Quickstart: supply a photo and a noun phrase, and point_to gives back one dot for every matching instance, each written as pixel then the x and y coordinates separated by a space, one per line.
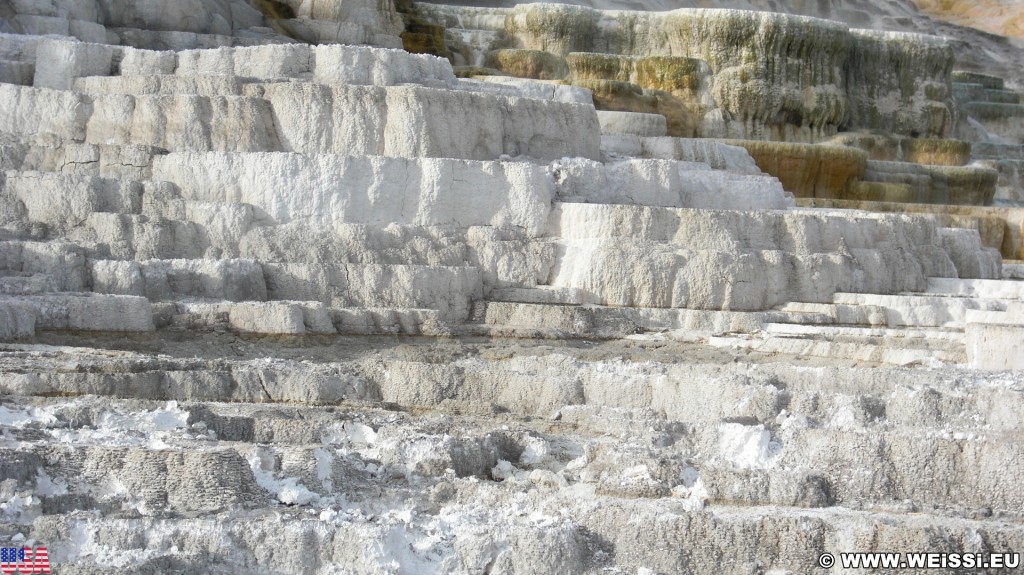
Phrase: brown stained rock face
pixel 808 170
pixel 535 64
pixel 880 192
pixel 674 87
pixel 617 96
pixel 937 152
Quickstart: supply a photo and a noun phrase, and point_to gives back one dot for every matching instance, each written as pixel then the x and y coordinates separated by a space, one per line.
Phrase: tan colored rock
pixel 1001 17
pixel 939 152
pixel 617 96
pixel 957 185
pixel 807 170
pixel 528 64
pixel 880 192
pixel 774 76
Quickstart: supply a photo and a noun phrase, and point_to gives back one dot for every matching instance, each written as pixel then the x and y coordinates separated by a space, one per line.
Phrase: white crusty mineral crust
pixel 326 190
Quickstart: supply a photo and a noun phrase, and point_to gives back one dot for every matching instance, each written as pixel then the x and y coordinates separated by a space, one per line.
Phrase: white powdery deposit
pixel 156 429
pixel 169 418
pixel 21 418
pixel 748 446
pixel 288 490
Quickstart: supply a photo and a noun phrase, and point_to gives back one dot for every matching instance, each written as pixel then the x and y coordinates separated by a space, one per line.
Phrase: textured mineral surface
pixel 374 287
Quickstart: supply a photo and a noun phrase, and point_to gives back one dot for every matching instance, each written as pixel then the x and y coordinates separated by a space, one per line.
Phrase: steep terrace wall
pixel 775 76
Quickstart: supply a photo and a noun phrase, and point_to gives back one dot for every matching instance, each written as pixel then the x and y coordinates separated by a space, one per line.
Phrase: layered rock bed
pixel 274 303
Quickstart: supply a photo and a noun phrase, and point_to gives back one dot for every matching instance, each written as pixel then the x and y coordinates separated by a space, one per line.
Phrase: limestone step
pixel 297 318
pixel 971 259
pixel 574 320
pixel 105 161
pixel 540 89
pixel 215 286
pixel 162 280
pixel 879 436
pixel 65 262
pixel 17 72
pixel 1003 96
pixel 160 85
pixel 910 337
pixel 716 154
pixel 959 185
pixel 477 85
pixel 129 237
pixel 372 120
pixel 87 312
pixel 140 376
pixel 745 280
pixel 988 333
pixel 63 201
pixel 841 314
pixel 275 116
pixel 922 399
pixel 922 310
pixel 860 351
pixel 363 189
pixel 986 289
pixel 1013 315
pixel 450 290
pixel 1013 271
pixel 30 284
pixel 43 25
pixel 166 40
pixel 974 92
pixel 18 47
pixel 329 63
pixel 538 295
pixel 269 318
pixel 985 150
pixel 183 122
pixel 988 111
pixel 969 92
pixel 666 183
pixel 794 231
pixel 988 81
pixel 635 123
pixel 1002 120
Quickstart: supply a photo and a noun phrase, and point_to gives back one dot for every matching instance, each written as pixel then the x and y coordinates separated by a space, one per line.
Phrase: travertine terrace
pixel 364 288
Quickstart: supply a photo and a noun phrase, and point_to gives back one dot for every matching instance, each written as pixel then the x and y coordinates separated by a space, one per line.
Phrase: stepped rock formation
pixel 552 290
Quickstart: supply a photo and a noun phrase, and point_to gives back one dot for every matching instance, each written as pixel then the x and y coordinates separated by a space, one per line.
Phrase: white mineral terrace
pixel 278 296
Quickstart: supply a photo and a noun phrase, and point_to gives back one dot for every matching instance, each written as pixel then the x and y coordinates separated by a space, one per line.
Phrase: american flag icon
pixel 26 560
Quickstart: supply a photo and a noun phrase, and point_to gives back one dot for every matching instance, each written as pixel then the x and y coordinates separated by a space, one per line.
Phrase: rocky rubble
pixel 275 303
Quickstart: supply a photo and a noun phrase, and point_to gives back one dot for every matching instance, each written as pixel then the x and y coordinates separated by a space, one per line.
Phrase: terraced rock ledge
pixel 703 291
